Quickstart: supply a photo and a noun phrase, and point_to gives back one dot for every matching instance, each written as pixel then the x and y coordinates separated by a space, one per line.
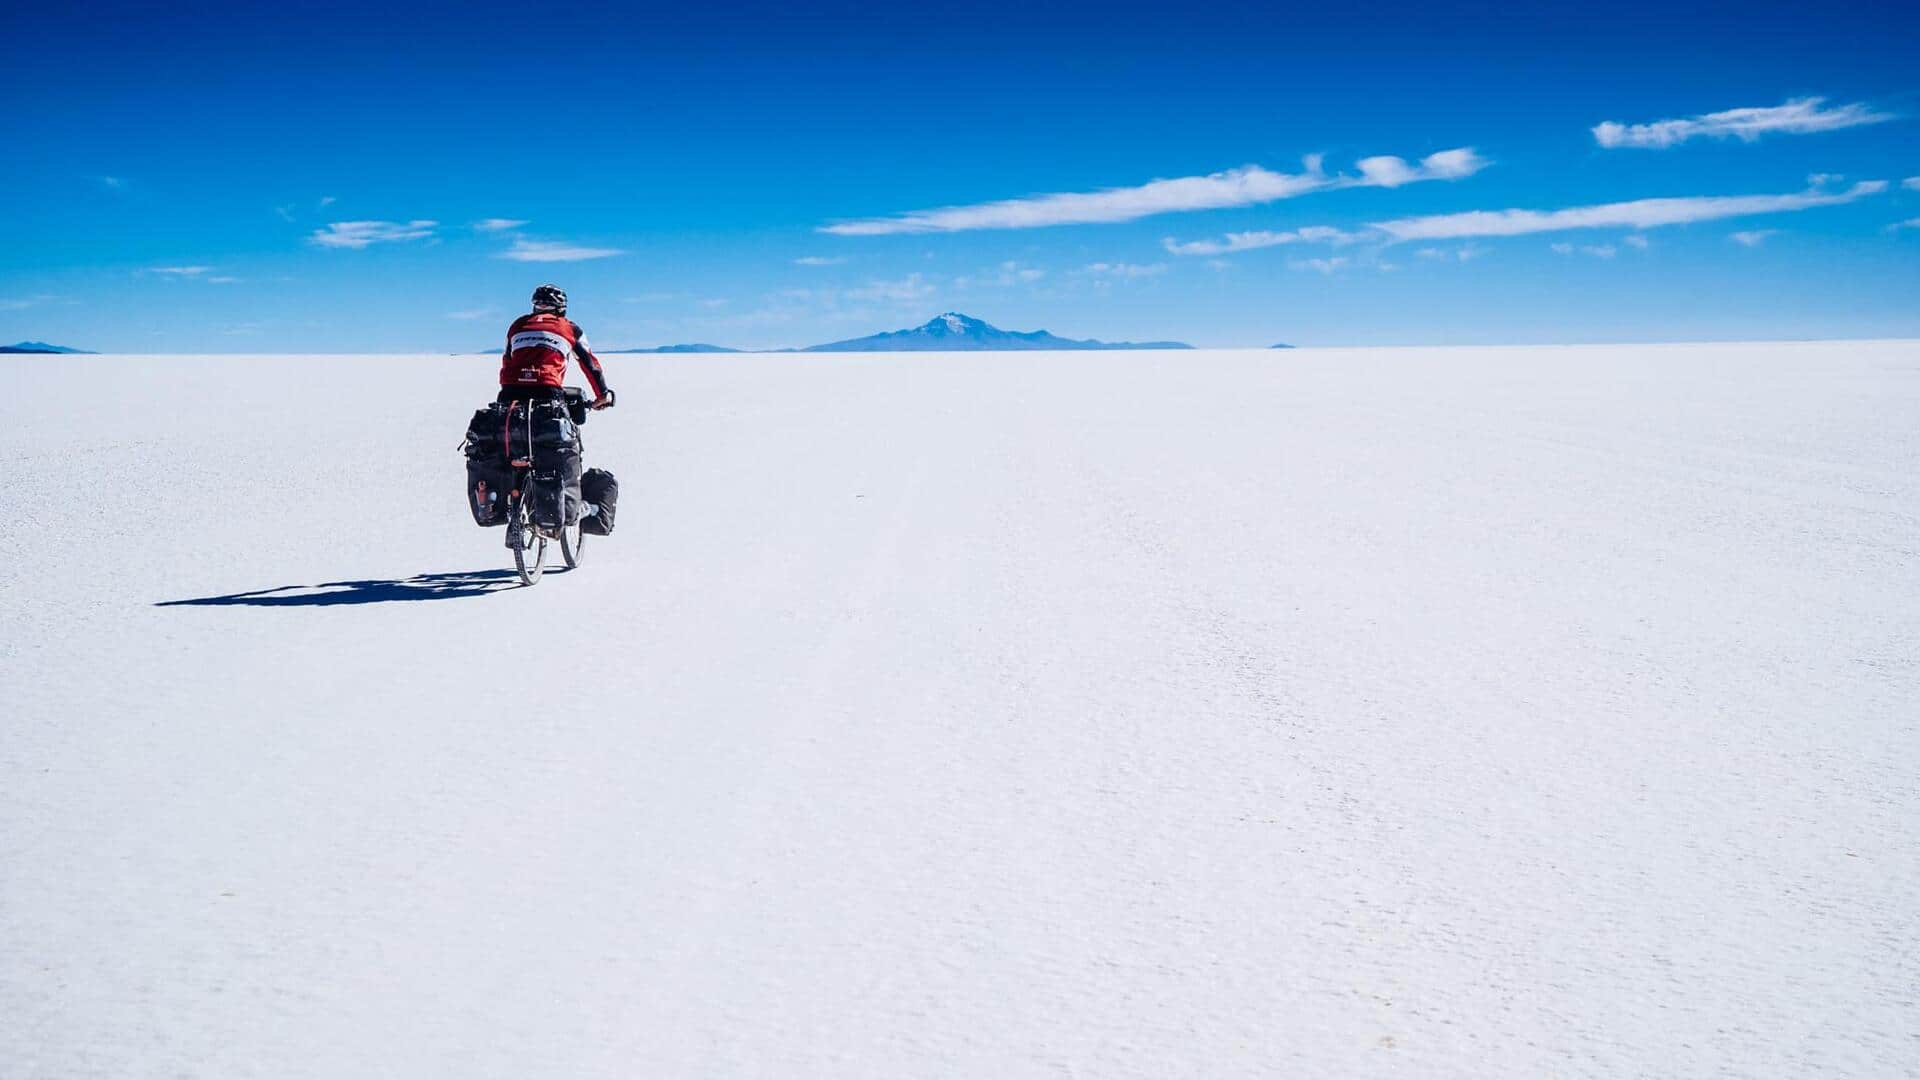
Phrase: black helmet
pixel 550 298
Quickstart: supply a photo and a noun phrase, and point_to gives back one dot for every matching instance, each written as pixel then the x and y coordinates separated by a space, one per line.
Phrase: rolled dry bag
pixel 599 487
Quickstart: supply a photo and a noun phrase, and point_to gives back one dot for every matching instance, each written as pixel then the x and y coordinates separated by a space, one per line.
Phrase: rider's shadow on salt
pixel 373 591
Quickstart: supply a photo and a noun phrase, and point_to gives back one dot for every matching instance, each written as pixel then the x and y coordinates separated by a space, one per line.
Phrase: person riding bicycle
pixel 533 367
pixel 534 364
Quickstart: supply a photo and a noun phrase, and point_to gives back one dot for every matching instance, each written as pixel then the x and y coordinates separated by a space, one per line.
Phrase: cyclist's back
pixel 533 366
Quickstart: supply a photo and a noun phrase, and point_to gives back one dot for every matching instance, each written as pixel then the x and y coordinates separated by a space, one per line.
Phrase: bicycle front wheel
pixel 530 555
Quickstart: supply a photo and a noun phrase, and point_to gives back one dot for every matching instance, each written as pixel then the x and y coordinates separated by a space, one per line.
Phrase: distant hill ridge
pixel 947 332
pixel 40 347
pixel 954 332
pixel 694 347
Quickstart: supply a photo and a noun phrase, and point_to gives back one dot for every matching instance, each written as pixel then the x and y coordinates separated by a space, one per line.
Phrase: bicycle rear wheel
pixel 571 541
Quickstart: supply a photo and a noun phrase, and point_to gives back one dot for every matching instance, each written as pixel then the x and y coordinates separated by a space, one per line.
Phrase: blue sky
pixel 341 178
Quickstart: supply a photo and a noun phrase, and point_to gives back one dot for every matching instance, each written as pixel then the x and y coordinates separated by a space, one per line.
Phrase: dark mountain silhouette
pixel 954 332
pixel 40 347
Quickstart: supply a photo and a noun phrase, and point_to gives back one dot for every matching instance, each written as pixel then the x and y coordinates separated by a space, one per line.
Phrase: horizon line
pixel 791 351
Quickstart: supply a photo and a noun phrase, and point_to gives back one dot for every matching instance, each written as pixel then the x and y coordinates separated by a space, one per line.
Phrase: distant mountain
pixel 40 347
pixel 693 348
pixel 954 332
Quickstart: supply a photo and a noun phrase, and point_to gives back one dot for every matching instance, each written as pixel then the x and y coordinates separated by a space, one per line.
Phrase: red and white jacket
pixel 538 348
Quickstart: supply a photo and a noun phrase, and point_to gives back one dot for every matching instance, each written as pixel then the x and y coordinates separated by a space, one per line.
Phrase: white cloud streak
pixel 911 287
pixel 1126 271
pixel 1751 237
pixel 1324 266
pixel 524 250
pixel 498 224
pixel 181 271
pixel 818 260
pixel 1911 183
pixel 1464 253
pixel 1637 214
pixel 1801 116
pixel 359 234
pixel 1250 241
pixel 1249 185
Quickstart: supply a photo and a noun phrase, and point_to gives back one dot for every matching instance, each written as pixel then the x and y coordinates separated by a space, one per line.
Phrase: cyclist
pixel 534 365
pixel 539 344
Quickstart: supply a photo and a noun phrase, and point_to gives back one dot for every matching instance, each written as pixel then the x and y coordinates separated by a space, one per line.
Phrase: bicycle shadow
pixel 450 586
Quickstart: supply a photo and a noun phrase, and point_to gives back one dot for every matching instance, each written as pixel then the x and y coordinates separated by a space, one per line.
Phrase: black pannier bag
pixel 489 478
pixel 539 436
pixel 486 433
pixel 599 487
pixel 488 485
pixel 553 490
pixel 553 496
pixel 552 427
pixel 546 498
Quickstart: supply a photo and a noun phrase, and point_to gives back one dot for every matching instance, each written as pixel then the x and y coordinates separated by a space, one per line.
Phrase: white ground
pixel 1525 712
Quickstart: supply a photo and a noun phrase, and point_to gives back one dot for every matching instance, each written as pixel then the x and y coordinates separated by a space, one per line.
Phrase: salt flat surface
pixel 1331 713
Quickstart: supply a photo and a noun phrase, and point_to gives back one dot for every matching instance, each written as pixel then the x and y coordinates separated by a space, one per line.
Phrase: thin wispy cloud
pixel 819 260
pixel 1636 214
pixel 180 271
pixel 1801 116
pixel 1635 240
pixel 1464 253
pixel 223 279
pixel 476 313
pixel 524 250
pixel 911 287
pixel 1598 251
pixel 22 303
pixel 1126 270
pixel 1911 183
pixel 113 183
pixel 498 224
pixel 1013 273
pixel 287 212
pixel 1751 237
pixel 1324 266
pixel 1252 241
pixel 355 235
pixel 1249 185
